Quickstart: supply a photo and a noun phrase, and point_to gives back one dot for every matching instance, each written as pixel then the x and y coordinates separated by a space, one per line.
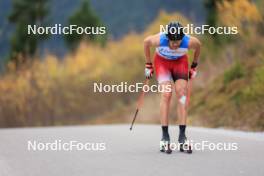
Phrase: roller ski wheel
pixel 165 146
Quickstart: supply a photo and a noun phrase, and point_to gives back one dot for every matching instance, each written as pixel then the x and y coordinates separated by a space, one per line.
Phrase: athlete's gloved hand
pixel 149 70
pixel 193 71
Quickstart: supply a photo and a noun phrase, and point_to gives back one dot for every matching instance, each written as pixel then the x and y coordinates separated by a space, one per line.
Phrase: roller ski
pixel 185 145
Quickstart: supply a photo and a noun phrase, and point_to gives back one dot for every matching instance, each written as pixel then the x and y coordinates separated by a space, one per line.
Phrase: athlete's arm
pixel 195 44
pixel 150 41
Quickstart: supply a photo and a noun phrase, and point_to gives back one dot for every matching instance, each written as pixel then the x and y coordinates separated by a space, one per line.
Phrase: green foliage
pixel 24 13
pixel 235 72
pixel 255 89
pixel 237 98
pixel 84 17
pixel 259 75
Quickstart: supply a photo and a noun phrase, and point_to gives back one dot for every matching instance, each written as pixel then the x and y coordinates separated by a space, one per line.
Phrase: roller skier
pixel 170 64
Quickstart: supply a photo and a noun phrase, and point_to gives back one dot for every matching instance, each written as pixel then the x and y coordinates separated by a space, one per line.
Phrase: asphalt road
pixel 127 153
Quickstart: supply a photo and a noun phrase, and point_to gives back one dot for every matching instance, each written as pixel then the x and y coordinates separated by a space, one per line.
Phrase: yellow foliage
pixel 237 12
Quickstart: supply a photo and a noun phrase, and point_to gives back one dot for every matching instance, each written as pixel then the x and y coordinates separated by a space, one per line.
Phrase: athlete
pixel 171 68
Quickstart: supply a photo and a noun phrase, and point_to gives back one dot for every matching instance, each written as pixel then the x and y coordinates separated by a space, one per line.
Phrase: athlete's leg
pixel 165 103
pixel 164 119
pixel 180 75
pixel 181 93
pixel 164 78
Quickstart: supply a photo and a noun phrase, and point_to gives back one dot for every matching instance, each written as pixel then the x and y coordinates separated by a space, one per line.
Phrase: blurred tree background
pixel 227 93
pixel 118 20
pixel 84 17
pixel 24 13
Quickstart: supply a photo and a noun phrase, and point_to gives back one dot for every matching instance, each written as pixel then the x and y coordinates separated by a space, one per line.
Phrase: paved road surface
pixel 128 153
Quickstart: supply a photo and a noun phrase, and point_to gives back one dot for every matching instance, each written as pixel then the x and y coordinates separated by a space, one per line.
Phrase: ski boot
pixel 165 146
pixel 185 145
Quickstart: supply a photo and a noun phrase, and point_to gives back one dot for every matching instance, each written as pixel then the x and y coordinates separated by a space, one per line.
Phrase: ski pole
pixel 189 89
pixel 139 103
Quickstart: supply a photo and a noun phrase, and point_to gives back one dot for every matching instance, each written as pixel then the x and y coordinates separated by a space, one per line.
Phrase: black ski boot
pixel 165 145
pixel 165 140
pixel 184 144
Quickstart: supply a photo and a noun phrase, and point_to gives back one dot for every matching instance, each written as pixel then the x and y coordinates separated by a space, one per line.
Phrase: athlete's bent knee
pixel 181 94
pixel 182 99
